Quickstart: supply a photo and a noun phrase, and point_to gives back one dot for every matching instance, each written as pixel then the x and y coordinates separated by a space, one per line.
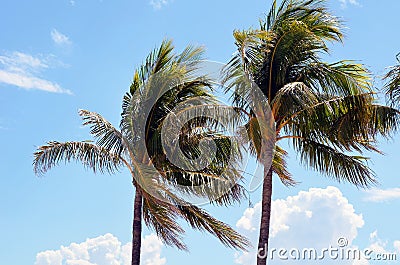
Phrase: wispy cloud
pixel 158 4
pixel 345 3
pixel 23 70
pixel 380 195
pixel 59 38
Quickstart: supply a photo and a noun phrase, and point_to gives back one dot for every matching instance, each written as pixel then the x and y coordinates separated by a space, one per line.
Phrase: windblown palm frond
pixel 163 218
pixel 91 155
pixel 334 163
pixel 392 86
pixel 106 135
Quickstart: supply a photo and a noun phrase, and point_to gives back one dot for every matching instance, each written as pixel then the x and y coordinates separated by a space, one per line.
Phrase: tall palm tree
pixel 114 149
pixel 327 110
pixel 392 86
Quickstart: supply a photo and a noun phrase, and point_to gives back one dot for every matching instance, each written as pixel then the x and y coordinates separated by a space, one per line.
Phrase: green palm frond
pixel 156 61
pixel 201 220
pixel 104 132
pixel 392 85
pixel 292 98
pixel 91 155
pixel 279 167
pixel 162 217
pixel 340 78
pixel 333 163
pixel 311 12
pixel 351 123
pixel 235 194
pixel 384 120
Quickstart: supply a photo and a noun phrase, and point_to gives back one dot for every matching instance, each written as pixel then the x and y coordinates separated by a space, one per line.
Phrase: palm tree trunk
pixel 137 227
pixel 262 251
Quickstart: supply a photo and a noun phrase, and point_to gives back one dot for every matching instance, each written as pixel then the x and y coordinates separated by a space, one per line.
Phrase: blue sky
pixel 60 56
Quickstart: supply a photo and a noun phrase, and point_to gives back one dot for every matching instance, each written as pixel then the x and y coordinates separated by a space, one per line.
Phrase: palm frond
pixel 199 219
pixel 104 132
pixel 333 163
pixel 92 156
pixel 162 217
pixel 313 13
pixel 279 167
pixel 392 85
pixel 340 78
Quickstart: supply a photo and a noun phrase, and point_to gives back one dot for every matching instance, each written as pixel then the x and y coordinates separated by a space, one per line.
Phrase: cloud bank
pixel 316 218
pixel 103 250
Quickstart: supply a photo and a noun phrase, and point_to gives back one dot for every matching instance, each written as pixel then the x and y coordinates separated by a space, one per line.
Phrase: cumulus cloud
pixel 158 4
pixel 380 195
pixel 59 38
pixel 151 251
pixel 380 248
pixel 103 250
pixel 396 245
pixel 377 245
pixel 316 218
pixel 23 70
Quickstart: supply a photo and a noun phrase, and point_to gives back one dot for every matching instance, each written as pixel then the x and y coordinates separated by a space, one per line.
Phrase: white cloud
pixel 151 251
pixel 30 82
pixel 59 38
pixel 344 3
pixel 396 245
pixel 316 218
pixel 158 4
pixel 377 245
pixel 21 62
pixel 22 70
pixel 103 250
pixel 379 195
pixel 380 247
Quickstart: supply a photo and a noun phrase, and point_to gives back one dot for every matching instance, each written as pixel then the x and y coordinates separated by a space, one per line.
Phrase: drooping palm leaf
pixel 392 86
pixel 90 155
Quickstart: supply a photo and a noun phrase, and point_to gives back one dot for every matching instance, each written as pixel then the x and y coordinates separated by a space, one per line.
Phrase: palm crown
pixel 327 110
pixel 114 149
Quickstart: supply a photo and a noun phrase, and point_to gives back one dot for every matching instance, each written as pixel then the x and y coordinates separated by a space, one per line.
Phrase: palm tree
pixel 327 110
pixel 114 149
pixel 392 86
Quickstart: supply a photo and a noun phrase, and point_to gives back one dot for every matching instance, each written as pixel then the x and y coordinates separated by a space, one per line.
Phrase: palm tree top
pixel 115 148
pixel 327 110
